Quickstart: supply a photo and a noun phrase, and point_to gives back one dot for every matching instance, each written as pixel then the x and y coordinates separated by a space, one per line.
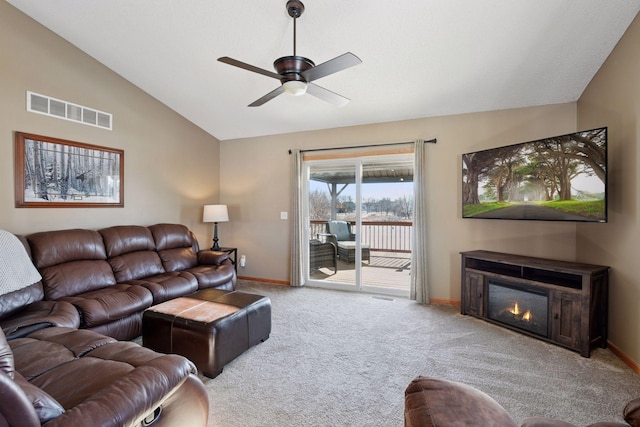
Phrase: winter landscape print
pixel 52 172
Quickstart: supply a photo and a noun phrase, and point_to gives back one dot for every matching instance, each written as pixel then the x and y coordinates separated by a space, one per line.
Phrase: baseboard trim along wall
pixel 626 359
pixel 263 280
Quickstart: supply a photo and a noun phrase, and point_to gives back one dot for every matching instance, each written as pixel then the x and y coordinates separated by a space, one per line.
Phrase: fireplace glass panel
pixel 521 308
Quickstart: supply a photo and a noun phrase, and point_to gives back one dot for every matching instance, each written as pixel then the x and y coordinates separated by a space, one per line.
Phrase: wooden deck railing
pixel 379 235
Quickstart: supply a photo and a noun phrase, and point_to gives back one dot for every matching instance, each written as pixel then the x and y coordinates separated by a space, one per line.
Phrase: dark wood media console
pixel 576 295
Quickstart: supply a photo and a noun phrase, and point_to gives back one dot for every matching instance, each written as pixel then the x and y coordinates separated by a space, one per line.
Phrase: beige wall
pixel 171 166
pixel 613 99
pixel 255 175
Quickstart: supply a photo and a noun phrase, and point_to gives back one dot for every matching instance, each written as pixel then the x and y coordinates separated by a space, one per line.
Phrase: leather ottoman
pixel 211 327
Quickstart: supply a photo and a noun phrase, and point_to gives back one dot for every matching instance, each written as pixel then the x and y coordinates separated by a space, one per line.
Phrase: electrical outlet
pixel 243 261
pixel 283 215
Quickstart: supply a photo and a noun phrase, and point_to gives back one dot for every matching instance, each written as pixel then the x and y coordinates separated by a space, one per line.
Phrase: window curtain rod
pixel 430 141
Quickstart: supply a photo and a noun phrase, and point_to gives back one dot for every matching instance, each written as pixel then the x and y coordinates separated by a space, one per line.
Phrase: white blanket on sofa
pixel 16 269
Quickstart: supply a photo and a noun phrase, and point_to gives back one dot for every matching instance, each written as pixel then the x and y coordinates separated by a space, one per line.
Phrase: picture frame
pixel 57 173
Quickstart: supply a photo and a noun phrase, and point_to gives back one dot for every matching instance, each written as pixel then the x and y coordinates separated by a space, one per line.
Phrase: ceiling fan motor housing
pixel 295 8
pixel 291 67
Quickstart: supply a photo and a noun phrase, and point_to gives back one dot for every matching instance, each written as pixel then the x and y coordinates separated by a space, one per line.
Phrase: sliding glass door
pixel 358 216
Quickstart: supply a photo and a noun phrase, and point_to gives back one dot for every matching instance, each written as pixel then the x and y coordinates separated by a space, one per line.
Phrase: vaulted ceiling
pixel 420 58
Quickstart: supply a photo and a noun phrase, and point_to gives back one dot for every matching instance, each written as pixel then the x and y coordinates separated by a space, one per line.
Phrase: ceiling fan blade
pixel 249 67
pixel 334 65
pixel 327 95
pixel 268 97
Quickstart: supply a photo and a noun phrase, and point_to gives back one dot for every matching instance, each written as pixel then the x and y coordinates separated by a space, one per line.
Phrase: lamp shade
pixel 215 213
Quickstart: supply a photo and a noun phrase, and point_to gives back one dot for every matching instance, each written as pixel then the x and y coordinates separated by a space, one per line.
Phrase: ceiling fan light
pixel 295 87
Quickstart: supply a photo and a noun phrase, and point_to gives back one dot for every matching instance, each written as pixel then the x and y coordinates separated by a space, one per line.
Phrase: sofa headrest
pixel 6 356
pixel 123 239
pixel 171 236
pixel 50 248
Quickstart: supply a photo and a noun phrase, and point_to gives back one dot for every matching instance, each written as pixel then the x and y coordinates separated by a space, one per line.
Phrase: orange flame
pixel 515 310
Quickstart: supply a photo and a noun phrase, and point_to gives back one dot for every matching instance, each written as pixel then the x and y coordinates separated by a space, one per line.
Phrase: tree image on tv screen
pixel 557 178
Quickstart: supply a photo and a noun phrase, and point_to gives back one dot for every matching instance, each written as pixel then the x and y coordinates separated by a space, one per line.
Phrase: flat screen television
pixel 561 178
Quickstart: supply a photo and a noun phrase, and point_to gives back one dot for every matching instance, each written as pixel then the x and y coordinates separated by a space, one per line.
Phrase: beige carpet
pixel 344 359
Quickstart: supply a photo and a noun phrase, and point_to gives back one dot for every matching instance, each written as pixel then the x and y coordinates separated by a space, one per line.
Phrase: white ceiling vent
pixel 53 107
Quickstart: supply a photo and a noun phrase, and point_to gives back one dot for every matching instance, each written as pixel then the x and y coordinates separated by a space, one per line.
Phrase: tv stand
pixel 577 295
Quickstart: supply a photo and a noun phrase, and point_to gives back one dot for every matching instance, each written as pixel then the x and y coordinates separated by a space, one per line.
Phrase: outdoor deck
pixel 389 270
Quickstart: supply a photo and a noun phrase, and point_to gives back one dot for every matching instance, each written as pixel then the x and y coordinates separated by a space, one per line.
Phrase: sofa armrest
pixel 209 257
pixel 438 402
pixel 39 315
pixel 631 413
pixel 146 393
pixel 15 408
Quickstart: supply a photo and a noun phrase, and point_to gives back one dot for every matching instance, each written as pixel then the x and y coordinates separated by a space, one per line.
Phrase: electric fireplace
pixel 561 302
pixel 520 307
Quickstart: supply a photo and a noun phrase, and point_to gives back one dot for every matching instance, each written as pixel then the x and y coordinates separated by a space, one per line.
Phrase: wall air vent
pixel 53 107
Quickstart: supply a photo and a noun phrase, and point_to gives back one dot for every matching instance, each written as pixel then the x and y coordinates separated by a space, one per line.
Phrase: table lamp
pixel 215 214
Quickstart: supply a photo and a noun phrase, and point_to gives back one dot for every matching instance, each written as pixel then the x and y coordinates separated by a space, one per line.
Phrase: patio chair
pixel 322 255
pixel 339 233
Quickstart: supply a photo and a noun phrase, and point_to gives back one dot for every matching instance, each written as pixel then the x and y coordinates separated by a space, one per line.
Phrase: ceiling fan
pixel 296 73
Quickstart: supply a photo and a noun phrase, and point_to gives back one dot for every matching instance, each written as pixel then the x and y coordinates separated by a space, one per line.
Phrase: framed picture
pixel 52 172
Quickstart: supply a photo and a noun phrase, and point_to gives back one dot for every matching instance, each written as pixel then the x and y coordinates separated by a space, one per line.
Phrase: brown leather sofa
pixel 109 277
pixel 54 374
pixel 68 377
pixel 437 402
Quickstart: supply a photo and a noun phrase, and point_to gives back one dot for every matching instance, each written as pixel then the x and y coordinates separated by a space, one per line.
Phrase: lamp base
pixel 215 246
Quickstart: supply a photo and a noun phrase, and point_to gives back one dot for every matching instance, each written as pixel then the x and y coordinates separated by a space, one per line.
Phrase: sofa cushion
pixel 136 265
pixel 76 277
pixel 169 236
pixel 110 304
pixel 178 259
pixel 124 239
pixel 56 247
pixel 168 285
pixel 438 402
pixel 176 246
pixel 131 252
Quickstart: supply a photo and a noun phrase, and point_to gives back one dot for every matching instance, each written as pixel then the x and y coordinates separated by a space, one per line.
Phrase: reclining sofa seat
pixel 134 260
pixel 68 377
pixel 74 268
pixel 179 251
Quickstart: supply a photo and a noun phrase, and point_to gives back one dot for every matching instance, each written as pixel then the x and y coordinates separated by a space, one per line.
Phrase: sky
pixel 376 191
